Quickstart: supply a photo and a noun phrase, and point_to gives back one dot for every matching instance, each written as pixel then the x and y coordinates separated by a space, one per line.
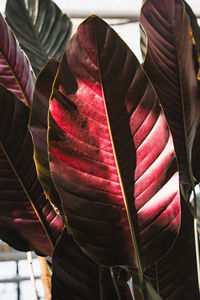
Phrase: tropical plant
pixel 99 156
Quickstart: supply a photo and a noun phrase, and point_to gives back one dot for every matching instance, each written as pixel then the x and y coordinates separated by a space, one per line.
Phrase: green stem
pixel 115 283
pixel 157 278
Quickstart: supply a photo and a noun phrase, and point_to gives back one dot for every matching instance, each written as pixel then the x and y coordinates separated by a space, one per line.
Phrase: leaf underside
pixel 82 158
pixel 46 30
pixel 24 208
pixel 169 65
pixel 15 71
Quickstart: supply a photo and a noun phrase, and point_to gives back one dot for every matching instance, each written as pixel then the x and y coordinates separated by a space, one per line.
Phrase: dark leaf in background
pixel 38 127
pixel 177 272
pixel 169 65
pixel 88 114
pixel 24 210
pixel 15 71
pixel 46 30
pixel 76 277
pixel 15 240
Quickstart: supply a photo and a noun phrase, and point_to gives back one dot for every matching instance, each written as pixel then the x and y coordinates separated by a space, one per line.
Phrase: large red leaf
pixel 38 127
pixel 24 210
pixel 169 65
pixel 76 277
pixel 15 71
pixel 102 105
pixel 176 277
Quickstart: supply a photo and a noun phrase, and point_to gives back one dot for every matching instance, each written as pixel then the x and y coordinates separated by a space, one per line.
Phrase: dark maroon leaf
pixel 196 50
pixel 24 209
pixel 38 127
pixel 111 152
pixel 169 65
pixel 15 70
pixel 76 277
pixel 177 272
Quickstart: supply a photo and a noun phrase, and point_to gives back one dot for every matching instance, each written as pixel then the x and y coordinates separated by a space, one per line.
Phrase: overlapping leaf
pixel 25 212
pixel 15 70
pixel 111 152
pixel 46 30
pixel 169 65
pixel 196 40
pixel 38 128
pixel 176 276
pixel 76 277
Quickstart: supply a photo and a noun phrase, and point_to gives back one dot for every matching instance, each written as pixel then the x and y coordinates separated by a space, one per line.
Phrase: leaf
pixel 38 127
pixel 169 65
pixel 76 277
pixel 177 272
pixel 46 30
pixel 24 210
pixel 196 57
pixel 15 70
pixel 111 152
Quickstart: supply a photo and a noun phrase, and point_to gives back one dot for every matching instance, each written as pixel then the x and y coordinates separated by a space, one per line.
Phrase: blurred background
pixel 123 16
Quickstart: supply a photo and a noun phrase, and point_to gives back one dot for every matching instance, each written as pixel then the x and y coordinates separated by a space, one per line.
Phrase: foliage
pixel 99 155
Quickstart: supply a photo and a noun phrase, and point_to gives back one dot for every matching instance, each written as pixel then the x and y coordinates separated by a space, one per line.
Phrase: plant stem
pixel 115 283
pixel 157 278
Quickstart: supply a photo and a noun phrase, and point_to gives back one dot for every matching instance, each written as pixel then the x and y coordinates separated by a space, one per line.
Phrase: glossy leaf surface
pixel 22 201
pixel 169 65
pixel 180 260
pixel 76 277
pixel 102 98
pixel 46 30
pixel 38 127
pixel 15 71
